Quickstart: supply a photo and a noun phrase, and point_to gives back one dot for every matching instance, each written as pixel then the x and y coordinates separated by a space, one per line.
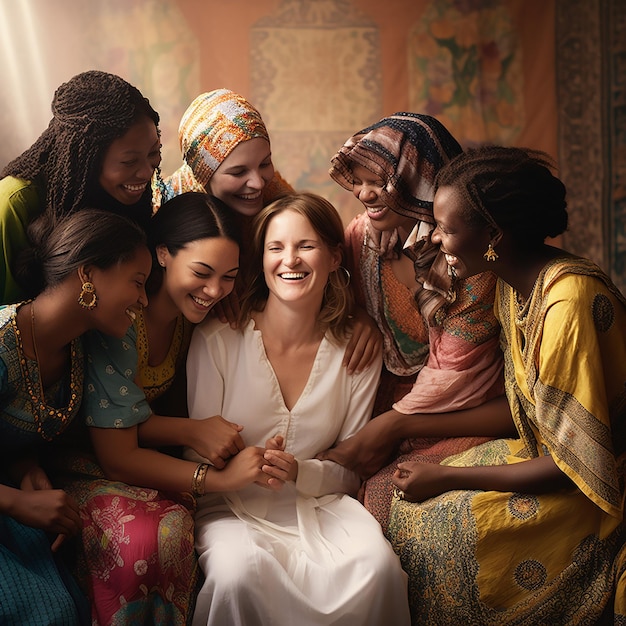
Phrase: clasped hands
pixel 220 441
pixel 269 467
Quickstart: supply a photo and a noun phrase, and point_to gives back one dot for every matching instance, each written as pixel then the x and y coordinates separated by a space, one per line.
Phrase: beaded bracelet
pixel 197 482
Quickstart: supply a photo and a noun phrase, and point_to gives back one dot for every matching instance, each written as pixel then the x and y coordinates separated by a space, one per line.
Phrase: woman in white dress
pixel 284 542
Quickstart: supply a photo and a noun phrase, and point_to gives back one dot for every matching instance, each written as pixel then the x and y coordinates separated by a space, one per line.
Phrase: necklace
pixel 50 421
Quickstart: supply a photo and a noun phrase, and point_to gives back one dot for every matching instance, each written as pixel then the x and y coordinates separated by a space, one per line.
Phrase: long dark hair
pixel 90 111
pixel 89 237
pixel 189 217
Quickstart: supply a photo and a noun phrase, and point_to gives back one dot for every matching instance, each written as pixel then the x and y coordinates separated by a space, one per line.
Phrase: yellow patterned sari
pixel 486 557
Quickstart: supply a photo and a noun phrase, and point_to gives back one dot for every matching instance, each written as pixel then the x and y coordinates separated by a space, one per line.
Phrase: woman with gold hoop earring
pixel 136 414
pixel 41 391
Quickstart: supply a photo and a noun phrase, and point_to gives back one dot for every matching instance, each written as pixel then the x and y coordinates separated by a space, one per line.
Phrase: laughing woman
pixel 226 152
pixel 41 388
pixel 101 149
pixel 306 553
pixel 532 527
pixel 138 528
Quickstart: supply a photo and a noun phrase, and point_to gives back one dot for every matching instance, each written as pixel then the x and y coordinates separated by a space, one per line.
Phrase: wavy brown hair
pixel 337 304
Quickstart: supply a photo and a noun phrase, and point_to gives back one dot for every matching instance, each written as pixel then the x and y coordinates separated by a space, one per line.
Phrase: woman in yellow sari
pixel 527 530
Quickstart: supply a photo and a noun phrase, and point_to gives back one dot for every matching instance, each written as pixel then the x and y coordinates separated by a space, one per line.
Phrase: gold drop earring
pixel 491 254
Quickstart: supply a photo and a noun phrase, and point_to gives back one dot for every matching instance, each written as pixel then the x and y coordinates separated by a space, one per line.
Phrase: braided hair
pixel 509 188
pixel 90 111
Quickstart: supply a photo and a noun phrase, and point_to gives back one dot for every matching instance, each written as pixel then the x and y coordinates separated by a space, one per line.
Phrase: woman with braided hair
pixel 101 149
pixel 530 529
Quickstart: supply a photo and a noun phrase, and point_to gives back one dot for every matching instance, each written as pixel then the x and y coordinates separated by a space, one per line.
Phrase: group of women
pixel 491 479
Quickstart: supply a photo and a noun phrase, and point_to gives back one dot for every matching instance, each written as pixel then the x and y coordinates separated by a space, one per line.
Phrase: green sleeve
pixel 19 204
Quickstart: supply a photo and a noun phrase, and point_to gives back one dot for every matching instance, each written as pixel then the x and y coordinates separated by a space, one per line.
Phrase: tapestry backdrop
pixel 318 71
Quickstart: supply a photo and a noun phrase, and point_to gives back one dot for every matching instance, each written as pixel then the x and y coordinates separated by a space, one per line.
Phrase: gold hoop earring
pixel 491 254
pixel 89 290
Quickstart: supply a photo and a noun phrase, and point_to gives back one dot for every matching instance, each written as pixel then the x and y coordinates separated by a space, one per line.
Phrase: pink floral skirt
pixel 138 561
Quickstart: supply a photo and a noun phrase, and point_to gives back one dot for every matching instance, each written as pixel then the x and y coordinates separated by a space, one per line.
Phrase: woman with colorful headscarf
pixel 226 152
pixel 440 336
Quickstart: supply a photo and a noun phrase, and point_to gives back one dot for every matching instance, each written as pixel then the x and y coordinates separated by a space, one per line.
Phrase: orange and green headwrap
pixel 213 125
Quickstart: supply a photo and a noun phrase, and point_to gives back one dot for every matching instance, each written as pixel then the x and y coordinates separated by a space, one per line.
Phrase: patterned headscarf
pixel 214 124
pixel 406 150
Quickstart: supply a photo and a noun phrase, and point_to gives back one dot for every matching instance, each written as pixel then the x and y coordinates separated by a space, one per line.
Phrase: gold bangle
pixel 197 482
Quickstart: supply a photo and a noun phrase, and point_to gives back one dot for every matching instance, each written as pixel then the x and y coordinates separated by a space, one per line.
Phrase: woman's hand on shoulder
pixel 216 439
pixel 365 344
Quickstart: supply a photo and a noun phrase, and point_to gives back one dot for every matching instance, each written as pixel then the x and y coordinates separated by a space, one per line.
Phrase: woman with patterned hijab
pixel 440 336
pixel 530 529
pixel 226 152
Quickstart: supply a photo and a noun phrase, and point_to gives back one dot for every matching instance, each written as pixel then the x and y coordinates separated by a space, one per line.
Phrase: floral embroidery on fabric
pixel 110 521
pixel 159 582
pixel 155 380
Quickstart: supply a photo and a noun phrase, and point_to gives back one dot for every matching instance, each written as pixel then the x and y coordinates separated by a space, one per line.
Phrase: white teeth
pixel 292 275
pixel 131 314
pixel 450 259
pixel 135 187
pixel 252 196
pixel 201 302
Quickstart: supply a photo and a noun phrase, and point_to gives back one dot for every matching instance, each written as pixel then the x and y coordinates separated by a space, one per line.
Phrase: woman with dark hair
pixel 279 516
pixel 93 268
pixel 101 150
pixel 531 527
pixel 138 529
pixel 440 335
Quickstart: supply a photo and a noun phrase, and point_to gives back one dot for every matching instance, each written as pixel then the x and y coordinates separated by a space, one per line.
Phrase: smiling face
pixel 240 179
pixel 130 161
pixel 367 187
pixel 121 292
pixel 296 262
pixel 199 275
pixel 462 242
